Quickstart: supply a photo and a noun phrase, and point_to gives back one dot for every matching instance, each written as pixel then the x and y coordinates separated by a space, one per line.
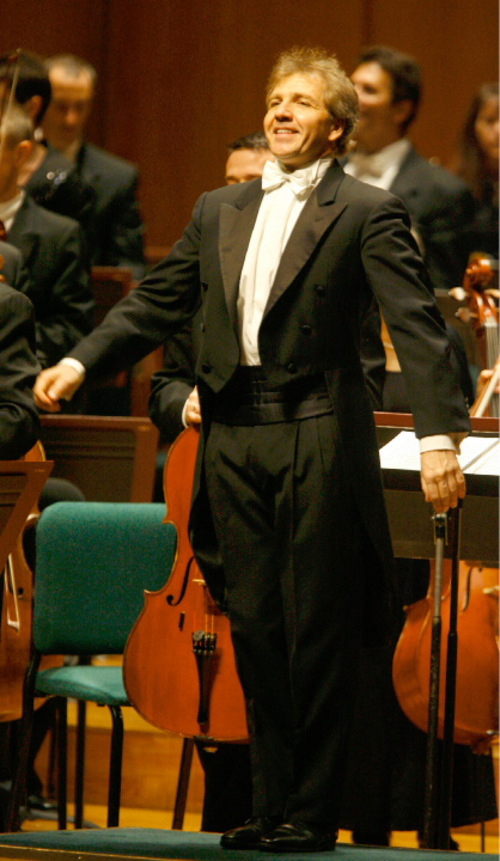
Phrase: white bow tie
pixel 301 181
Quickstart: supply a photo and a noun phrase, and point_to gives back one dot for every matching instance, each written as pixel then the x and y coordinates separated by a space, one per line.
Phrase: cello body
pixel 178 669
pixel 16 618
pixel 476 709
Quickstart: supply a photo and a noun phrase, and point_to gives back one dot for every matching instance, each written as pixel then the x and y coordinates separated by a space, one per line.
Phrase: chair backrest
pixel 94 560
pixel 110 459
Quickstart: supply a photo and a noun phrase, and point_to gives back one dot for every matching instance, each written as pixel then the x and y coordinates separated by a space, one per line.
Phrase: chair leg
pixel 18 789
pixel 115 767
pixel 183 783
pixel 80 762
pixel 62 758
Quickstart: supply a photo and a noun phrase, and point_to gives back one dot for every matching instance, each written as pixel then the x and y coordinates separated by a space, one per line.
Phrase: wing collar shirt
pixel 285 195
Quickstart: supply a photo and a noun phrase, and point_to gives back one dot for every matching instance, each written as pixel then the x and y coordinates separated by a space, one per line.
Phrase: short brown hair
pixel 340 96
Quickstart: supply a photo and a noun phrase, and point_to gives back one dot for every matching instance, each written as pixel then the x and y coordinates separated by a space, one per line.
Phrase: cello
pixel 178 667
pixel 480 291
pixel 476 710
pixel 15 619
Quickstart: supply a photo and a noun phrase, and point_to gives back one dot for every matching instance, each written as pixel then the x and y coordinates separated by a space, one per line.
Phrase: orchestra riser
pixel 151 760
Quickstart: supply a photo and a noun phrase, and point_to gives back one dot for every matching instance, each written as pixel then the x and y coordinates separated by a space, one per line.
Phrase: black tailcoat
pixel 351 242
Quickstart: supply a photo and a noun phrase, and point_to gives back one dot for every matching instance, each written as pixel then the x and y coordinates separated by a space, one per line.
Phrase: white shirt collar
pixel 379 168
pixel 9 210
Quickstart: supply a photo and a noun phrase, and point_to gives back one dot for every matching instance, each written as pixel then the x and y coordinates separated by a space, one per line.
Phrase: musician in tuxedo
pixel 288 521
pixel 117 230
pixel 52 247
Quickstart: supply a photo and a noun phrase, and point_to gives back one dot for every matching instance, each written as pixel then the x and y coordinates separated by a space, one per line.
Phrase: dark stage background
pixel 178 80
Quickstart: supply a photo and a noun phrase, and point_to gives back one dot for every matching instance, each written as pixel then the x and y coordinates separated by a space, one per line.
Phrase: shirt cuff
pixel 442 442
pixel 183 415
pixel 75 364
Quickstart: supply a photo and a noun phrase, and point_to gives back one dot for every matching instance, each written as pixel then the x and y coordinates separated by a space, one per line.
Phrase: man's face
pixel 379 119
pixel 245 164
pixel 298 126
pixel 69 108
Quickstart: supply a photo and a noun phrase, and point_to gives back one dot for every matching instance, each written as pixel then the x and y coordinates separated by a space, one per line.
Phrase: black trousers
pixel 291 543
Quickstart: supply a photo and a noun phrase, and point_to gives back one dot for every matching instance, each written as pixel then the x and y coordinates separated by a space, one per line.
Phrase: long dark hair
pixel 470 162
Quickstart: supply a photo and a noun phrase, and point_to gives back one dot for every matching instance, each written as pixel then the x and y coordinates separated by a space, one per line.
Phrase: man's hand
pixel 60 382
pixel 442 479
pixel 192 413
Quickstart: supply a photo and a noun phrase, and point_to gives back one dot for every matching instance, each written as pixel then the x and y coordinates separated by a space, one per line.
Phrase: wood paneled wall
pixel 178 81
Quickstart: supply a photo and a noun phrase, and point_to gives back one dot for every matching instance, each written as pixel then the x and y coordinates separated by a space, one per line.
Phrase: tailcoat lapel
pixel 318 214
pixel 235 229
pixel 236 223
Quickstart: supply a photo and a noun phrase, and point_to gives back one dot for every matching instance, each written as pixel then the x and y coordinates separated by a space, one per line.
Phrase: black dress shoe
pixel 298 837
pixel 38 802
pixel 248 836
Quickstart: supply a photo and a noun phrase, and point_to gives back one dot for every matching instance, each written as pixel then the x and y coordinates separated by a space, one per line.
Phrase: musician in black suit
pixel 117 234
pixel 288 520
pixel 19 422
pixel 440 205
pixel 48 176
pixel 52 247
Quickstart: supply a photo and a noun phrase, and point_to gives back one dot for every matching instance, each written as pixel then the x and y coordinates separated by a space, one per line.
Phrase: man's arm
pixel 161 305
pixel 397 276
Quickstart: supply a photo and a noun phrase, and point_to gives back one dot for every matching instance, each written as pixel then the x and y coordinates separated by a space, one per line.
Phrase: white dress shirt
pixel 285 195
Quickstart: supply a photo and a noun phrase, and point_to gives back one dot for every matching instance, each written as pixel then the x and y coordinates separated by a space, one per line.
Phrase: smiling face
pixel 298 126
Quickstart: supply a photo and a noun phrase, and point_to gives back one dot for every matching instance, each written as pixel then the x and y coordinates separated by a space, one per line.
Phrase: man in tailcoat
pixel 288 521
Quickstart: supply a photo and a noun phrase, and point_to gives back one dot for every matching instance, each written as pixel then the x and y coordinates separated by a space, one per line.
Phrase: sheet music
pixel 478 455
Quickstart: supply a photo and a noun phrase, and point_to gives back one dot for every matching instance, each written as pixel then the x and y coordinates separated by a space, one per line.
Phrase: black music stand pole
pixel 451 684
pixel 431 766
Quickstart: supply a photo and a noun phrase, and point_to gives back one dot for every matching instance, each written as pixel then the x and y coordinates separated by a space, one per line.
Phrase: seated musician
pixel 117 226
pixel 52 245
pixel 47 175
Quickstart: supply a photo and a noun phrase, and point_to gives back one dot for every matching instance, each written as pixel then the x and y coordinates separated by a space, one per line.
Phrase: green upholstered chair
pixel 94 561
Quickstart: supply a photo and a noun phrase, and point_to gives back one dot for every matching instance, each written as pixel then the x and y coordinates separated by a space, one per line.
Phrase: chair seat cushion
pixel 102 685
